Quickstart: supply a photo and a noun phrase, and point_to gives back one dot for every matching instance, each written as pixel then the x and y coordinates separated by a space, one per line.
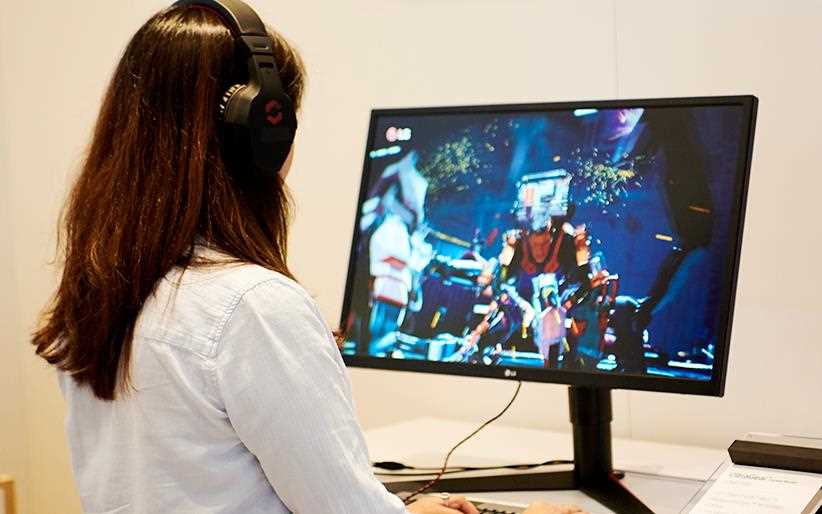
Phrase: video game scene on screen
pixel 589 240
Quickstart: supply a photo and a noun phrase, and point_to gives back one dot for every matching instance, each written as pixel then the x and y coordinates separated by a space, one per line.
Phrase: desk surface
pixel 664 476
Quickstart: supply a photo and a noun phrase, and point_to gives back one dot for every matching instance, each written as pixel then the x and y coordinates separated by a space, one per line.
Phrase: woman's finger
pixel 461 504
pixel 442 509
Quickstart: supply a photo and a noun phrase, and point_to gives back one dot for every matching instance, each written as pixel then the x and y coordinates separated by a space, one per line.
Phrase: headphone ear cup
pixel 257 129
pixel 224 108
pixel 233 128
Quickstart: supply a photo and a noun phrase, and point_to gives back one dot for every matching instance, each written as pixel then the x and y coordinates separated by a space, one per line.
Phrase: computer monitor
pixel 594 244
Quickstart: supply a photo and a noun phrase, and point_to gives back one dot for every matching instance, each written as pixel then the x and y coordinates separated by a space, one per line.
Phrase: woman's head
pixel 156 178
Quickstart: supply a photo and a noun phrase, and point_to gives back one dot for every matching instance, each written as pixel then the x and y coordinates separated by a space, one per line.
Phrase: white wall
pixel 427 52
pixel 12 417
pixel 458 52
pixel 56 58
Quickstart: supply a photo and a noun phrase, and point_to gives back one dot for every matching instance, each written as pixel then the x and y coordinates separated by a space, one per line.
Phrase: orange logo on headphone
pixel 274 106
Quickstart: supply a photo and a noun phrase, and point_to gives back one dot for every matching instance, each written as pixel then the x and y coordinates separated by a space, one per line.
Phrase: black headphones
pixel 258 117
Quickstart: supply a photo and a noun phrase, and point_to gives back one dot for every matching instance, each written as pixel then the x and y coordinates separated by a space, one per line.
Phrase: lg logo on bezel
pixel 394 134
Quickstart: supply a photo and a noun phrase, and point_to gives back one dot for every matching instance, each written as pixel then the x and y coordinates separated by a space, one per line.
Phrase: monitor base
pixel 592 474
pixel 607 490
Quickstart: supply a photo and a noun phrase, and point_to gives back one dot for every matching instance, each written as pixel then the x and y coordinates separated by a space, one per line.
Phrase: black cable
pixel 421 471
pixel 444 467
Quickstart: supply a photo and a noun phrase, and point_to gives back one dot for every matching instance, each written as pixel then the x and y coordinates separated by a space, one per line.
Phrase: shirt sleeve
pixel 286 392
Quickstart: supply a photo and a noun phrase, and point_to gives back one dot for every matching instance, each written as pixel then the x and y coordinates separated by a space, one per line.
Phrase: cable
pixel 391 465
pixel 420 472
pixel 444 467
pixel 399 466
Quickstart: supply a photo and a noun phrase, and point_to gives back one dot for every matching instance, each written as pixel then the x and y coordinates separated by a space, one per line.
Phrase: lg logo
pixel 394 134
pixel 510 373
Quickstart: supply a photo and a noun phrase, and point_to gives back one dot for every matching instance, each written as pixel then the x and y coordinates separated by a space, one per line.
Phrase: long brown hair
pixel 155 180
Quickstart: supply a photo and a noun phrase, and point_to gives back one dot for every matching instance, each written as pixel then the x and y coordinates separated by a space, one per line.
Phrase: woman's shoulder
pixel 192 306
pixel 238 282
pixel 225 275
pixel 268 306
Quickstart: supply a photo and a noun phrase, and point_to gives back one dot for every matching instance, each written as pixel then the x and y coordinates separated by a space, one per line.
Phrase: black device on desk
pixel 779 455
pixel 594 244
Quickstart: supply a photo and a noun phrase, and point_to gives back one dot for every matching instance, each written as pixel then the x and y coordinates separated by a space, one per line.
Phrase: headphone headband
pixel 243 19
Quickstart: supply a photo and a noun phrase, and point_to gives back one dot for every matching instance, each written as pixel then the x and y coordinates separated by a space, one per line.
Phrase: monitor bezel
pixel 714 387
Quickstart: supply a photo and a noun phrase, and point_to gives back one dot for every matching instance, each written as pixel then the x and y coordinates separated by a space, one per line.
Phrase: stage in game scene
pixel 591 240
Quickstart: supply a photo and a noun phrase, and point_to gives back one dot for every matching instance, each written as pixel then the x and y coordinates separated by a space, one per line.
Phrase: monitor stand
pixel 593 473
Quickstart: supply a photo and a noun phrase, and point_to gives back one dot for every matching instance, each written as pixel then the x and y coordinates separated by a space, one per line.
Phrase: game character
pixel 498 328
pixel 589 311
pixel 549 330
pixel 394 248
pixel 546 245
pixel 544 242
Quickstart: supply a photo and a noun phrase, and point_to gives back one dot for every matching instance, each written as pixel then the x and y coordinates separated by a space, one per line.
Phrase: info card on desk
pixel 749 490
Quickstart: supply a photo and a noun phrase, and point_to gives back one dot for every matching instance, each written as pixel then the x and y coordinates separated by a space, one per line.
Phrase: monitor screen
pixel 589 243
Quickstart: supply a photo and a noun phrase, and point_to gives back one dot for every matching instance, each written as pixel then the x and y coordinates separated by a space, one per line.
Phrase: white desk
pixel 664 476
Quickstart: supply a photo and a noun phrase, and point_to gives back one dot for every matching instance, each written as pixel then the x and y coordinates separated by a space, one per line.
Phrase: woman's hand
pixel 547 508
pixel 452 505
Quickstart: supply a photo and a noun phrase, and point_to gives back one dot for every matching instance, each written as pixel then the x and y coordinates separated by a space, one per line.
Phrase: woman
pixel 198 374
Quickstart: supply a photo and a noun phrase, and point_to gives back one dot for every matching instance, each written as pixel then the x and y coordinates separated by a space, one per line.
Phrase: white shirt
pixel 240 405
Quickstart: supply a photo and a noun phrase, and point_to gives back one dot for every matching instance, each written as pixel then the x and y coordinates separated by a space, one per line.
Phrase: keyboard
pixel 485 506
pixel 489 507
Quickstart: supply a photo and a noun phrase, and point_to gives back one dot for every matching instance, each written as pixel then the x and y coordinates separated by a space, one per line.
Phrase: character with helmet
pixel 544 242
pixel 393 249
pixel 548 261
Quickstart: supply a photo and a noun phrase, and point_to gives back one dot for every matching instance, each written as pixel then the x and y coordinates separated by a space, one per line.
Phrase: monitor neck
pixel 591 415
